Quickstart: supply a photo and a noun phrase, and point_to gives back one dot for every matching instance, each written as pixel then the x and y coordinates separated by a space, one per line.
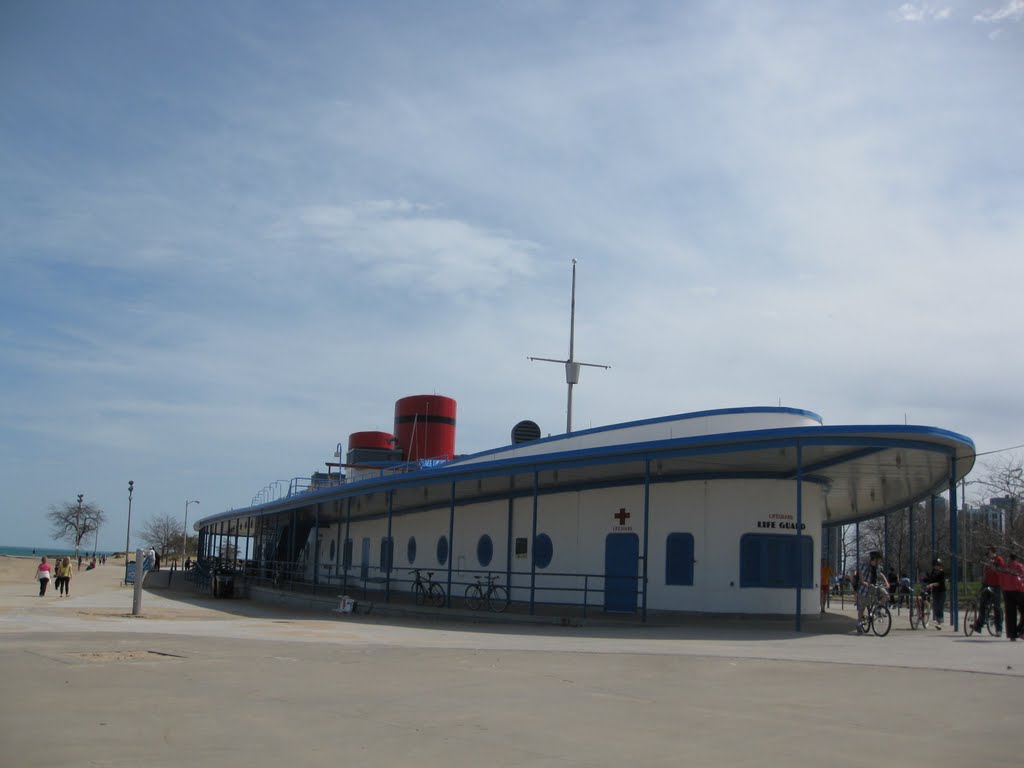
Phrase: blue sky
pixel 233 233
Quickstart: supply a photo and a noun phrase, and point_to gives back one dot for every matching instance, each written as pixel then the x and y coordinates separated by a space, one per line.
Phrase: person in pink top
pixel 992 578
pixel 1013 597
pixel 43 575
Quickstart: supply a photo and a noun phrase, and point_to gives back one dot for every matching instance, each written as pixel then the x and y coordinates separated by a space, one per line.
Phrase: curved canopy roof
pixel 862 470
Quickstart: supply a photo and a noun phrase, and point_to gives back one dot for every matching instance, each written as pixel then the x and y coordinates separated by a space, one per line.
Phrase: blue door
pixel 621 558
pixel 364 562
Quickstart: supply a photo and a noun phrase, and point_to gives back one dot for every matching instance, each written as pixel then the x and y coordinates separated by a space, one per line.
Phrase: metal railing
pixel 300 485
pixel 542 590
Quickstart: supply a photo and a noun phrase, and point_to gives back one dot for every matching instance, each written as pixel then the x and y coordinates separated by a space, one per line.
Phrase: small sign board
pixel 129 573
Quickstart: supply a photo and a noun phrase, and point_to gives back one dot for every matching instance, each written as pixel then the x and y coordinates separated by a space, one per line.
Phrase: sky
pixel 233 233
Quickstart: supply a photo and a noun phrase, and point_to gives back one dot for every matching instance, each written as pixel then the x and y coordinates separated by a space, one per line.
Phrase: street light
pixel 128 536
pixel 184 534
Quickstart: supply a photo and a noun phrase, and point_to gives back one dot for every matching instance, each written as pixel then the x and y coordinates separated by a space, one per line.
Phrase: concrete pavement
pixel 190 683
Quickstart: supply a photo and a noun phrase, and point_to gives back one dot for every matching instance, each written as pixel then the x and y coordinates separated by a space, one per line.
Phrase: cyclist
pixel 991 592
pixel 935 582
pixel 871 575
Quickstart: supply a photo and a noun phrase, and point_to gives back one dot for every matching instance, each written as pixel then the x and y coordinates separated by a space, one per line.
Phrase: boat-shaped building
pixel 721 511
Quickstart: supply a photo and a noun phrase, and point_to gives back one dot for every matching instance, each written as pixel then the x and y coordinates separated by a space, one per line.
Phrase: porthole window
pixel 410 550
pixel 484 551
pixel 543 550
pixel 442 550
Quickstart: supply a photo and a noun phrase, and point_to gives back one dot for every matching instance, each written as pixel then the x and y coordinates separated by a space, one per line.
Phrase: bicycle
pixel 902 595
pixel 876 616
pixel 988 620
pixel 495 595
pixel 427 589
pixel 921 610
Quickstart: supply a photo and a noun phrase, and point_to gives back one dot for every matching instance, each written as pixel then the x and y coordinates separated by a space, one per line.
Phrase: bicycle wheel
pixel 916 616
pixel 497 598
pixel 970 616
pixel 990 619
pixel 474 596
pixel 420 593
pixel 437 596
pixel 881 621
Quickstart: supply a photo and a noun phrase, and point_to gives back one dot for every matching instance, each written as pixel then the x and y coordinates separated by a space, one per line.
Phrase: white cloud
pixel 405 245
pixel 1012 11
pixel 920 12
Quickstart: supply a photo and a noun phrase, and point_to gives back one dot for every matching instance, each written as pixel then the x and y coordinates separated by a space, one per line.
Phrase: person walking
pixel 991 594
pixel 1013 597
pixel 64 570
pixel 43 573
pixel 826 582
pixel 935 582
pixel 906 589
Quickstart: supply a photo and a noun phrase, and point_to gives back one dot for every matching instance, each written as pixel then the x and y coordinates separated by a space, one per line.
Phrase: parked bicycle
pixel 876 616
pixel 495 595
pixel 987 620
pixel 920 609
pixel 427 589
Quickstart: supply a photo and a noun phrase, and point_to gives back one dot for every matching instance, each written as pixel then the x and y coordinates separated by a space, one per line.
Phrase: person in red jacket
pixel 1013 597
pixel 992 579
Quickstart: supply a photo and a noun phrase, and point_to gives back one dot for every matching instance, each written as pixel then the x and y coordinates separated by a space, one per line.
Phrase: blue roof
pixel 864 469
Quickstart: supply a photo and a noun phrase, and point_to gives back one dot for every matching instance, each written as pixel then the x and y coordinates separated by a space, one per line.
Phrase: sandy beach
pixel 215 682
pixel 94 593
pixel 17 579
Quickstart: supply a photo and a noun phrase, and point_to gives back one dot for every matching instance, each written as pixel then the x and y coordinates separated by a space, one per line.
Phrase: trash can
pixel 223 585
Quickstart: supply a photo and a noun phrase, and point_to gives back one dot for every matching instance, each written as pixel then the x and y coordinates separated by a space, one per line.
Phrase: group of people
pixel 1003 587
pixel 60 572
pixel 871 576
pixel 1002 590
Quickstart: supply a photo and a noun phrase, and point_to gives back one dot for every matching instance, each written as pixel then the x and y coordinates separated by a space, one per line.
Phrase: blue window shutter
pixel 346 554
pixel 679 559
pixel 773 561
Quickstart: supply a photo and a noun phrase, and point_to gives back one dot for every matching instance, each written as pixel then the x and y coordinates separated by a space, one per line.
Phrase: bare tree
pixel 72 521
pixel 163 532
pixel 894 541
pixel 1003 480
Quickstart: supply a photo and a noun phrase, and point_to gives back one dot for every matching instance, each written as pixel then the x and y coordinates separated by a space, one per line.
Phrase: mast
pixel 572 366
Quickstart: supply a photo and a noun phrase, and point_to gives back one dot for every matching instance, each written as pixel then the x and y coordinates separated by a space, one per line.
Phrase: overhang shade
pixel 862 470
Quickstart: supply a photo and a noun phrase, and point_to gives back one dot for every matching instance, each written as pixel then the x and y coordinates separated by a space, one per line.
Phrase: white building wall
pixel 716 513
pixel 658 429
pixel 471 523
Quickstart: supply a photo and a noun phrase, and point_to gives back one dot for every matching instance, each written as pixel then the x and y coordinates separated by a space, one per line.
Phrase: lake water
pixel 40 551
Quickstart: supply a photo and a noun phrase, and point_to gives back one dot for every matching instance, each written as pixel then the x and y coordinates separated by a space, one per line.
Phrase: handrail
pixel 554 587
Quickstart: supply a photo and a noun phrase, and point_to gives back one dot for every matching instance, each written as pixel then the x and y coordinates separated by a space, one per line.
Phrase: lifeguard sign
pixel 129 573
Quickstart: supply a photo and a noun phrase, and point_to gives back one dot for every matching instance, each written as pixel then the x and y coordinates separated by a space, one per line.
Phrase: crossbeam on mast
pixel 572 366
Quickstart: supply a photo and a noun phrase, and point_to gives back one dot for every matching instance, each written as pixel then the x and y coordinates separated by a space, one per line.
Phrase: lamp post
pixel 184 533
pixel 128 535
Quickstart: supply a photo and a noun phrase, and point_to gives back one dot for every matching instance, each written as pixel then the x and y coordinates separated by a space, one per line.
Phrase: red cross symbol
pixel 622 515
